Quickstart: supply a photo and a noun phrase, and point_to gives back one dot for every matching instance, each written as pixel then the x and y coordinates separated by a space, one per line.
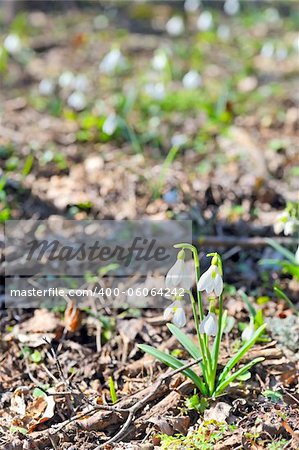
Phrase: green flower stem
pixel 217 341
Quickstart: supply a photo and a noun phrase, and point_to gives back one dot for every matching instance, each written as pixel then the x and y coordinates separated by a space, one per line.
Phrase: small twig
pixel 141 403
pixel 248 242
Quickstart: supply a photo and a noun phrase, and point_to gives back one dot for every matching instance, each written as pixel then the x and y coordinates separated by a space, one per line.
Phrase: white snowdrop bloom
pixel 231 7
pixel 155 90
pixel 297 255
pixel 289 227
pixel 209 325
pixel 77 101
pixel 159 61
pixel 175 26
pixel 192 80
pixel 100 22
pixel 66 80
pixel 267 50
pixel 110 124
pixel 205 21
pixel 179 276
pixel 223 32
pixel 281 53
pixel 81 83
pixel 280 222
pixel 192 5
pixel 176 313
pixel 178 140
pixel 12 43
pixel 46 87
pixel 248 332
pixel 211 281
pixel 112 62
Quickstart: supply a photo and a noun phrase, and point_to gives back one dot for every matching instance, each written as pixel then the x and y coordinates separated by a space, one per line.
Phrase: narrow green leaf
pixel 174 363
pixel 282 250
pixel 113 394
pixel 185 341
pixel 247 302
pixel 238 373
pixel 284 296
pixel 233 361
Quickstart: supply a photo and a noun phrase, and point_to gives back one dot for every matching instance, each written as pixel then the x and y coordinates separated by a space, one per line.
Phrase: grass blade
pixel 232 362
pixel 282 250
pixel 220 388
pixel 185 341
pixel 174 363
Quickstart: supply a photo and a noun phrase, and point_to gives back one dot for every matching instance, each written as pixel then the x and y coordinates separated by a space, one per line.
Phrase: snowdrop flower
pixel 223 32
pixel 77 101
pixel 155 90
pixel 179 276
pixel 159 61
pixel 290 227
pixel 66 80
pixel 209 325
pixel 175 312
pixel 110 124
pixel 178 140
pixel 211 281
pixel 12 43
pixel 81 83
pixel 205 21
pixel 248 332
pixel 284 222
pixel 191 5
pixel 112 62
pixel 281 53
pixel 175 26
pixel 231 7
pixel 267 50
pixel 192 80
pixel 46 87
pixel 297 255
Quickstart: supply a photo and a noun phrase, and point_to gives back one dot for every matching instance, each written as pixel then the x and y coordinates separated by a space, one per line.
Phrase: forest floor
pixel 231 168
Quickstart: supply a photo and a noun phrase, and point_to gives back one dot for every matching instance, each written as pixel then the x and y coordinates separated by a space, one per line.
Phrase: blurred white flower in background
pixel 112 62
pixel 178 140
pixel 175 312
pixel 81 83
pixel 66 80
pixel 281 53
pixel 159 61
pixel 175 26
pixel 110 124
pixel 192 80
pixel 192 5
pixel 155 90
pixel 100 22
pixel 231 7
pixel 12 44
pixel 284 222
pixel 46 86
pixel 272 15
pixel 205 21
pixel 77 101
pixel 248 331
pixel 223 32
pixel 209 325
pixel 267 50
pixel 297 255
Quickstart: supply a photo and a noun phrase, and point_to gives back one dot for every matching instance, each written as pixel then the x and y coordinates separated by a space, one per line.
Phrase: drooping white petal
pixel 168 312
pixel 211 325
pixel 179 317
pixel 202 325
pixel 218 285
pixel 289 227
pixel 173 276
pixel 248 332
pixel 297 255
pixel 186 278
pixel 110 124
pixel 204 279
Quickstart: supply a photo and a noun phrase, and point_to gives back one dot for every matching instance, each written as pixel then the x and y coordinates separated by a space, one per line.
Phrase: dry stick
pixel 133 409
pixel 231 241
